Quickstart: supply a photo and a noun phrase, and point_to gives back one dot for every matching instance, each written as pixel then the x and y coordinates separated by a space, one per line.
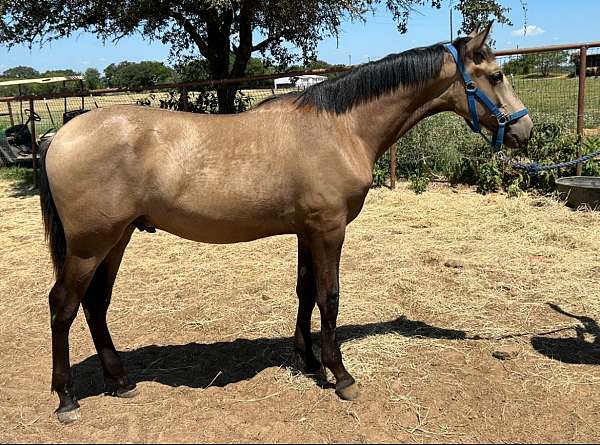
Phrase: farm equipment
pixel 16 144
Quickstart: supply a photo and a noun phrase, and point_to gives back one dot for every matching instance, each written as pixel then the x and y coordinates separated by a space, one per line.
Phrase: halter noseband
pixel 474 94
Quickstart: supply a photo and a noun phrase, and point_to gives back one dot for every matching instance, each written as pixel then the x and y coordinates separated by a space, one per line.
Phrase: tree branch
pixel 265 43
pixel 193 33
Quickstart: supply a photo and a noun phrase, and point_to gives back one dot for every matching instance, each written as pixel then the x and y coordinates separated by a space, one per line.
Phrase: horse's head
pixel 477 63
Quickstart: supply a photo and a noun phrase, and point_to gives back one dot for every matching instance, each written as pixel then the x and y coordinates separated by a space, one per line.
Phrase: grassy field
pixel 464 318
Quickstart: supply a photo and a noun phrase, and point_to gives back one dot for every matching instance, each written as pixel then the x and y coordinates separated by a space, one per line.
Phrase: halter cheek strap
pixel 474 94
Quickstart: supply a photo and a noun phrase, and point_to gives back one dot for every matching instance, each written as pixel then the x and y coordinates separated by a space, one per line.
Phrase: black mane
pixel 375 79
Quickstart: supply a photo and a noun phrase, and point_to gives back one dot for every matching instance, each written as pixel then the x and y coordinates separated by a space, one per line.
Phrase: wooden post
pixel 81 88
pixel 393 167
pixel 65 90
pixel 10 114
pixel 184 99
pixel 34 147
pixel 581 104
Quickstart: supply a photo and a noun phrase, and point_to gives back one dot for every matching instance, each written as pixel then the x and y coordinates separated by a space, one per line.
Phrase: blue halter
pixel 475 94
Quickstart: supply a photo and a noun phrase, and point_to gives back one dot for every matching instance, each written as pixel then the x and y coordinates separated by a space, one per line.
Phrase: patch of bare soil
pixel 464 318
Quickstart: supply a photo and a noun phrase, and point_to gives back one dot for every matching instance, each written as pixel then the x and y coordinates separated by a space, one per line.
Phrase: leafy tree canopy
pixel 93 79
pixel 539 63
pixel 132 74
pixel 21 72
pixel 216 30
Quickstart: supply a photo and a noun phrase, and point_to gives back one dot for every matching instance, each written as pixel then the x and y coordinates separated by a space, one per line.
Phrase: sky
pixel 548 22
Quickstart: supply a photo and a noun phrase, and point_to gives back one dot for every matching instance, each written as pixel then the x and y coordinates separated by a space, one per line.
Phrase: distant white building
pixel 299 82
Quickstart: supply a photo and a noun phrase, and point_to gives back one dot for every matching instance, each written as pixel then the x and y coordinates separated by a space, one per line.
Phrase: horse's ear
pixel 478 38
pixel 474 33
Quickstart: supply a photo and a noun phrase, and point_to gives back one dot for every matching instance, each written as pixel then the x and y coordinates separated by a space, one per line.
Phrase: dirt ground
pixel 464 318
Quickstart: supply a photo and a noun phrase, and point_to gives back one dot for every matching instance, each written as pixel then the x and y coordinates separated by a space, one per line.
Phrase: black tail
pixel 55 234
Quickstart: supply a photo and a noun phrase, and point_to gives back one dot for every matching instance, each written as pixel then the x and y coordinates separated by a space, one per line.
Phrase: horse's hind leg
pixel 64 301
pixel 307 292
pixel 95 305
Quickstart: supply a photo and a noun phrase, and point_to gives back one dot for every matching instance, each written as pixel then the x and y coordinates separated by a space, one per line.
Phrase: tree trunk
pixel 226 96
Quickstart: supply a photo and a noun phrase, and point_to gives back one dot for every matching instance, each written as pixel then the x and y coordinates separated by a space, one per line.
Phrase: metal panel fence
pixel 546 79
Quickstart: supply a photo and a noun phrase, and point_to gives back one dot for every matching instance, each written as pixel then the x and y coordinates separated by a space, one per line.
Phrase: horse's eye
pixel 496 78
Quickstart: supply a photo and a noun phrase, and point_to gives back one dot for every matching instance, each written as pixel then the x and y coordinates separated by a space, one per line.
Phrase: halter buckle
pixel 471 87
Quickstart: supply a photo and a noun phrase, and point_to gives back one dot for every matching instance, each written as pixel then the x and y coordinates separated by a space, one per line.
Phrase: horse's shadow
pixel 576 350
pixel 199 365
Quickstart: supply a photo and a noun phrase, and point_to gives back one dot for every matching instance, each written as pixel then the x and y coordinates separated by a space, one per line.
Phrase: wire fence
pixel 55 112
pixel 548 83
pixel 52 111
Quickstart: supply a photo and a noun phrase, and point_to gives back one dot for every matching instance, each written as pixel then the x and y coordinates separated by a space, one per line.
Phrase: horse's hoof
pixel 66 417
pixel 127 393
pixel 350 392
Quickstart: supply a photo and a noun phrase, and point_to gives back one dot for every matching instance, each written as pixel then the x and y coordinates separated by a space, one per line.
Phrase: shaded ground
pixel 432 286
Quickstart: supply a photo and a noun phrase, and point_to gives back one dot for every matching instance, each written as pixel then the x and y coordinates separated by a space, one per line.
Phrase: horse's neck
pixel 381 122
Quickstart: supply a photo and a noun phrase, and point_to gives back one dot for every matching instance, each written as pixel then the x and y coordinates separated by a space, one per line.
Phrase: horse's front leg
pixel 306 290
pixel 326 248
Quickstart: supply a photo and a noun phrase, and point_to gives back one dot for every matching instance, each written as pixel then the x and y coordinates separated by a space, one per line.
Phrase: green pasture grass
pixel 18 175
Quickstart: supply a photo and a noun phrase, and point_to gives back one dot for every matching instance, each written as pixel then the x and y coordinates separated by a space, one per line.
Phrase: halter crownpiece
pixel 474 94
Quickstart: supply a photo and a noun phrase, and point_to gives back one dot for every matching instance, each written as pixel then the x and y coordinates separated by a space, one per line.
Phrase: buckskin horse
pixel 303 166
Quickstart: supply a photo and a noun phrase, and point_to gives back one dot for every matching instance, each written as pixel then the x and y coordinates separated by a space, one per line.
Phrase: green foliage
pixel 490 178
pixel 515 189
pixel 92 79
pixel 19 175
pixel 135 74
pixel 194 70
pixel 476 13
pixel 21 72
pixel 202 101
pixel 441 146
pixel 315 65
pixel 419 183
pixel 540 64
pixel 381 170
pixel 520 65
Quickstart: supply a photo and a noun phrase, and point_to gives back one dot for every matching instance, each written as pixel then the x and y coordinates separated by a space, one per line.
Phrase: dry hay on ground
pixel 433 288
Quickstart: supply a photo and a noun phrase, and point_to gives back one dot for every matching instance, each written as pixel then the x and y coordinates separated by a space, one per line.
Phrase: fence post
pixel 581 104
pixel 393 167
pixel 184 99
pixel 10 114
pixel 34 147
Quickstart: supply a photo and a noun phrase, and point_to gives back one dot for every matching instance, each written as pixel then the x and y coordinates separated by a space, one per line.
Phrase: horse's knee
pixel 329 303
